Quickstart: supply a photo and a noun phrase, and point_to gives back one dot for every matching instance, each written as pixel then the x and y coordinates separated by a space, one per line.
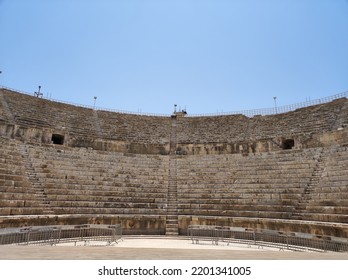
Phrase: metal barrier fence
pixel 53 235
pixel 280 109
pixel 268 238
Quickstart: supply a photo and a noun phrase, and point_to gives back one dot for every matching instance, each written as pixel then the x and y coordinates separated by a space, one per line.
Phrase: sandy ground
pixel 150 248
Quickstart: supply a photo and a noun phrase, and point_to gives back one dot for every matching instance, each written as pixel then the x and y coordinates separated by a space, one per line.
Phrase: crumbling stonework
pixel 35 120
pixel 63 164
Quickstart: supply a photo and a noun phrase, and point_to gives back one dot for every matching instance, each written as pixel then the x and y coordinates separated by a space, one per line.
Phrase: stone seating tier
pixel 297 184
pixel 82 179
pixel 89 125
pixel 238 128
pixel 268 185
pixel 28 110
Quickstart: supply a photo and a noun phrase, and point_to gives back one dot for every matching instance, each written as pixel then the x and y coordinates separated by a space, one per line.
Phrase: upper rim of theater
pixel 248 113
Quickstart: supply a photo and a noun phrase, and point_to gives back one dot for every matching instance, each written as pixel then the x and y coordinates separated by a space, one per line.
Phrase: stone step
pixel 172 205
pixel 172 217
pixel 171 225
pixel 296 217
pixel 173 228
pixel 174 233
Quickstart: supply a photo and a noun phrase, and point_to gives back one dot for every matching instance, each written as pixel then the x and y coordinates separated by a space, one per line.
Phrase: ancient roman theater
pixel 282 173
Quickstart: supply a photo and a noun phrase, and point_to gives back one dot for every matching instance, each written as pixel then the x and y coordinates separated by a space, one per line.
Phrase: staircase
pixel 340 119
pixel 172 200
pixel 97 124
pixel 313 182
pixel 34 180
pixel 5 109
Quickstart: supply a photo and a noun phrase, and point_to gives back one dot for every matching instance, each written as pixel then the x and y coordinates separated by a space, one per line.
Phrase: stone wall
pixel 86 181
pixel 292 185
pixel 285 172
pixel 35 120
pixel 134 224
pixel 282 225
pixel 308 127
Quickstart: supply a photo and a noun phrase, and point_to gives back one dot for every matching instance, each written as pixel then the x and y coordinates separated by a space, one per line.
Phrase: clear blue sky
pixel 147 55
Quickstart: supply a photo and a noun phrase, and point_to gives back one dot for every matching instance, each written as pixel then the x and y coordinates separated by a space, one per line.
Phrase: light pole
pixel 38 93
pixel 95 99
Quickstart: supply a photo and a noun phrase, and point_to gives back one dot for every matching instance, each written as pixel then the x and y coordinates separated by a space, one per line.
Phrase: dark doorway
pixel 288 144
pixel 58 139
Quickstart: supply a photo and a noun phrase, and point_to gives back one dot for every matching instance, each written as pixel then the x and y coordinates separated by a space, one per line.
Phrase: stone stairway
pixel 6 110
pixel 314 181
pixel 340 120
pixel 97 124
pixel 172 200
pixel 34 180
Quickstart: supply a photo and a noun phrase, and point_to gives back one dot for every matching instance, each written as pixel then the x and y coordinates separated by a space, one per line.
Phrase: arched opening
pixel 58 139
pixel 288 144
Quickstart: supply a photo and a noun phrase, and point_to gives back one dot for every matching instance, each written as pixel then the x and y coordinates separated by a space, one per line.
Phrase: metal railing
pixel 248 113
pixel 280 109
pixel 88 106
pixel 267 238
pixel 53 235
